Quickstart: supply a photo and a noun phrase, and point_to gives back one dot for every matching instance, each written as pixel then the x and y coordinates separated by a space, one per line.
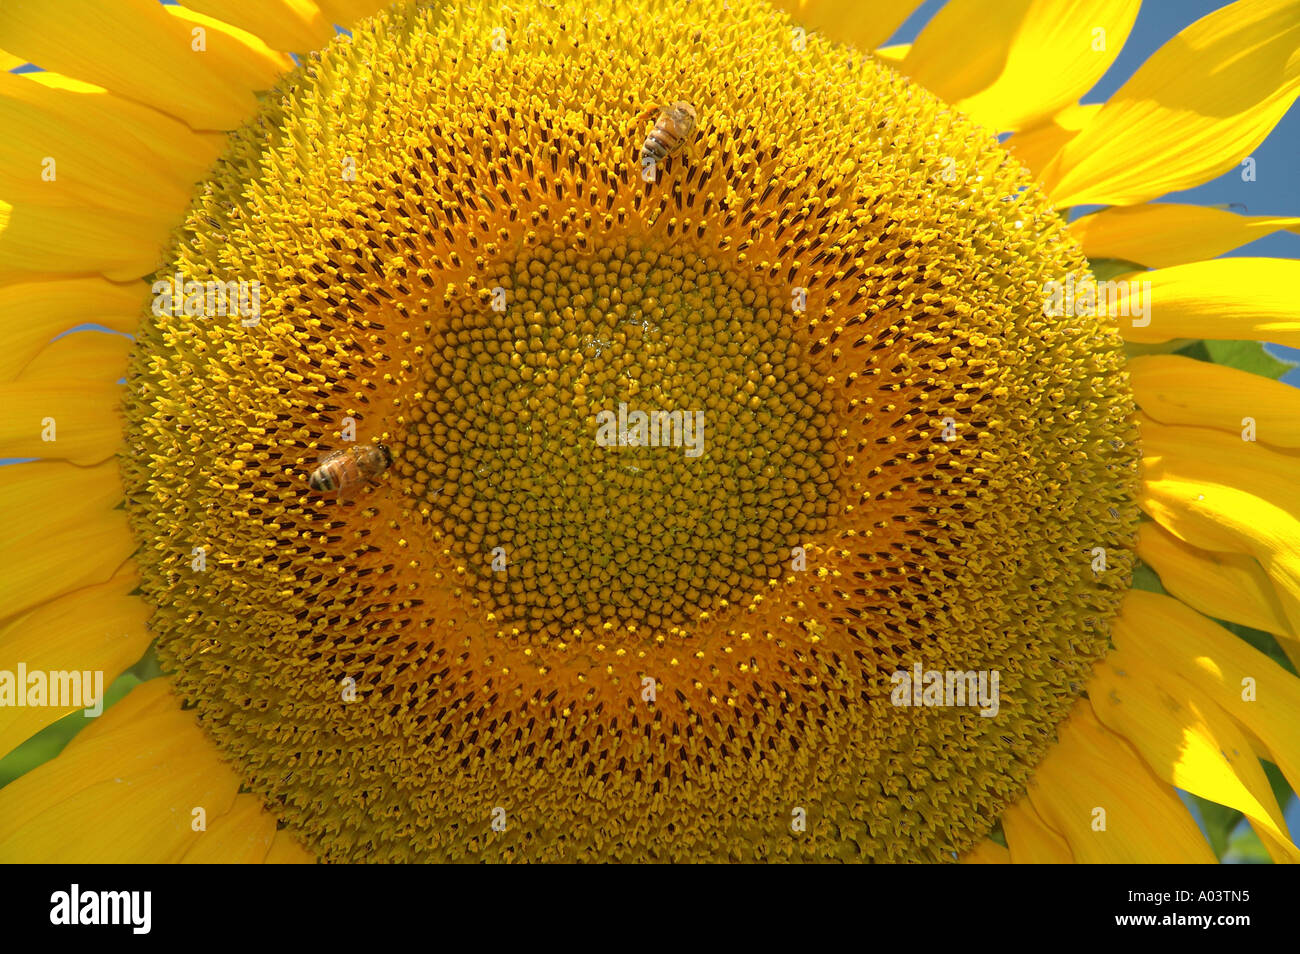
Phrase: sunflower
pixel 880 451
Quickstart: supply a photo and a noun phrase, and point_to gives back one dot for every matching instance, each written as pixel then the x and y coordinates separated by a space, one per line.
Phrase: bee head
pixel 388 455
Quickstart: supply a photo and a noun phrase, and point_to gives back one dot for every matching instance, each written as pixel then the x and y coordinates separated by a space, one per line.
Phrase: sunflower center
pixel 629 436
pixel 685 473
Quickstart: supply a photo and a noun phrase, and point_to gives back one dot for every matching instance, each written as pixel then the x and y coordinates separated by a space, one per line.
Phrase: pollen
pixel 528 641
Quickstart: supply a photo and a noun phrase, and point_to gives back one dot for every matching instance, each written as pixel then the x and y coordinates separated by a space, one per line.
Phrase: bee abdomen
pixel 321 480
pixel 657 146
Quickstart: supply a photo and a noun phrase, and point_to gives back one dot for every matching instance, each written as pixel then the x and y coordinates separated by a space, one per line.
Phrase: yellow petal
pixel 140 50
pixel 125 790
pixel 1226 669
pixel 1187 741
pixel 241 836
pixel 347 12
pixel 242 59
pixel 82 355
pixel 989 852
pixel 1029 839
pixel 895 53
pixel 296 25
pixel 68 143
pixel 1036 145
pixel 1031 59
pixel 1192 111
pixel 1227 586
pixel 9 62
pixel 1177 390
pixel 1095 791
pixel 33 313
pixel 96 628
pixel 1228 299
pixel 861 25
pixel 61 531
pixel 82 418
pixel 41 238
pixel 1218 493
pixel 286 851
pixel 1160 235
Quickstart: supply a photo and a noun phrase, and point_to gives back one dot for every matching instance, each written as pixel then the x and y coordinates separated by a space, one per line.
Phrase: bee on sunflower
pixel 947 575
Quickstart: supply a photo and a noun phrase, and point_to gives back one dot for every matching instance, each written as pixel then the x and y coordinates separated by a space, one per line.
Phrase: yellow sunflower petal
pixel 41 238
pixel 82 419
pixel 186 154
pixel 1221 493
pixel 1177 390
pixel 861 25
pixel 97 628
pixel 61 533
pixel 8 61
pixel 1095 791
pixel 286 851
pixel 296 25
pixel 123 791
pixel 241 836
pixel 1227 586
pixel 1197 106
pixel 239 56
pixel 33 313
pixel 347 12
pixel 1262 696
pixel 1032 59
pixel 989 852
pixel 1187 741
pixel 82 355
pixel 1036 145
pixel 1029 839
pixel 1228 299
pixel 71 144
pixel 1161 235
pixel 140 50
pixel 895 53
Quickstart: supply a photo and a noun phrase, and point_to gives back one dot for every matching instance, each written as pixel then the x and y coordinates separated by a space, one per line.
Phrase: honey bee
pixel 348 469
pixel 671 132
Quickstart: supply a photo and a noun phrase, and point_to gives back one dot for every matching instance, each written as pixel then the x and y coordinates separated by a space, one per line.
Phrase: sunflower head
pixel 523 641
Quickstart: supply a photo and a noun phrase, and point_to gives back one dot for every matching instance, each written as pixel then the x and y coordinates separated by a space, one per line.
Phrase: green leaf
pixel 1219 821
pixel 1277 781
pixel 1195 350
pixel 1145 578
pixel 1247 356
pixel 1136 349
pixel 997 835
pixel 1245 848
pixel 1107 268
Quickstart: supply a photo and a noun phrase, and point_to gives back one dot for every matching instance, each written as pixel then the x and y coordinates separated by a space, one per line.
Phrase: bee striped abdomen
pixel 671 131
pixel 321 480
